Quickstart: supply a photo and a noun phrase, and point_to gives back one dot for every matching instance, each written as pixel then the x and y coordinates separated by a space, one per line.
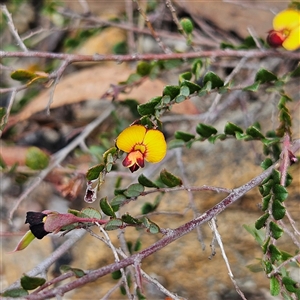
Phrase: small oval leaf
pixel 274 286
pixel 278 210
pixel 231 129
pixel 215 80
pixel 205 130
pixel 169 179
pixel 106 208
pixel 113 224
pixel 94 172
pixel 134 190
pixel 185 136
pixel 276 231
pixel 264 76
pixel 261 222
pixel 36 159
pixel 31 283
pixel 143 180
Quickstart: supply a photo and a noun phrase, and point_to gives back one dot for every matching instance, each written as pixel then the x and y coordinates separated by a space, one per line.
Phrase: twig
pixel 190 194
pixel 163 242
pixel 148 57
pixel 45 264
pixel 12 27
pixel 117 259
pixel 152 30
pixel 59 156
pixel 213 225
pixel 10 104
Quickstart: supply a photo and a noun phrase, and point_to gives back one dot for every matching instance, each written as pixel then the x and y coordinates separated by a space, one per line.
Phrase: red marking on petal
pixel 134 168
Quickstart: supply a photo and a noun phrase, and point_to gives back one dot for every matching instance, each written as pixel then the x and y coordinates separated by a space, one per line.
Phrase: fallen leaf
pixel 91 84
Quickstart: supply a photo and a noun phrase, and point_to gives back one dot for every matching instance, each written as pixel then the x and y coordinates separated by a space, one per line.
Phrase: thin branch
pixel 10 104
pixel 152 30
pixel 213 226
pixel 45 264
pixel 192 204
pixel 170 237
pixel 12 27
pixel 148 57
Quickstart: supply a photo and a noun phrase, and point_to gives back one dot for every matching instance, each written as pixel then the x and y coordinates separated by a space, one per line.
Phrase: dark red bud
pixel 275 38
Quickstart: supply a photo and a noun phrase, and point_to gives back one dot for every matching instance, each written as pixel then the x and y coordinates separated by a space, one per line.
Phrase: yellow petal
pixel 130 136
pixel 156 146
pixel 286 19
pixel 292 42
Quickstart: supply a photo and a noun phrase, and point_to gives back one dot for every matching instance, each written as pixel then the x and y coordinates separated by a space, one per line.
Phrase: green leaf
pixel 196 68
pixel 77 272
pixel 171 90
pixel 280 192
pixel 276 231
pixel 296 72
pixel 15 293
pixel 180 98
pixel 134 190
pixel 214 138
pixel 31 283
pixel 153 228
pixel 193 87
pixel 231 129
pixel 266 163
pixel 274 286
pixel 205 130
pixel 206 89
pixel 116 275
pixel 143 68
pixel 176 144
pixel 23 75
pixel 169 179
pixel 143 180
pixel 126 218
pixel 187 25
pixel 113 224
pixel 90 212
pixel 149 107
pixel 276 175
pixel 253 87
pixel 25 241
pixel 138 245
pixel 290 284
pixel 185 91
pixel 94 172
pixel 185 136
pixel 118 200
pixel 185 76
pixel 278 210
pixel 254 132
pixel 255 268
pixel 265 202
pixel 106 208
pixel 261 221
pixel 215 80
pixel 275 254
pixel 36 159
pixel 264 76
pixel 108 154
pixel 147 208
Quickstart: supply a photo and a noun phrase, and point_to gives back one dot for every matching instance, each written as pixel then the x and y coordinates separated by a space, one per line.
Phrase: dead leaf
pixel 91 84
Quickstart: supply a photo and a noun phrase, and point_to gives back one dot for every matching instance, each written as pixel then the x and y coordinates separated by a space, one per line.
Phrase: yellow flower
pixel 141 144
pixel 286 31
